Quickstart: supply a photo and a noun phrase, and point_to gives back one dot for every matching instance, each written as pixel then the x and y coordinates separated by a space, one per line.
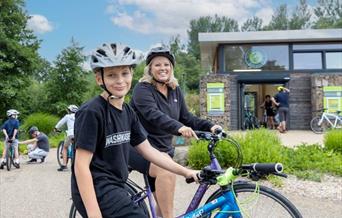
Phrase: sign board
pixel 332 98
pixel 215 98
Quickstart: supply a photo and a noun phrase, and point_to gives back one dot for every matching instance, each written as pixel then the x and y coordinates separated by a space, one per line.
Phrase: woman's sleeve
pixel 146 105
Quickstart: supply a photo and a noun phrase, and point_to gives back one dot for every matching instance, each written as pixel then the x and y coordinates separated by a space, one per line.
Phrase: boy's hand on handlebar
pixel 192 175
pixel 212 129
pixel 187 132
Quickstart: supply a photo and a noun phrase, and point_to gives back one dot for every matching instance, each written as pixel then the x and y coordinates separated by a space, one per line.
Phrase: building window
pixel 256 58
pixel 312 60
pixel 333 60
pixel 317 46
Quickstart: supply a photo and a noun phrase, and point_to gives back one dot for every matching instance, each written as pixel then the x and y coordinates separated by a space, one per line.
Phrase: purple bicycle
pixel 234 198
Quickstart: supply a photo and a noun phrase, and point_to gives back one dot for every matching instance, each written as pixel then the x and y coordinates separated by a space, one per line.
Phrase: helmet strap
pixel 103 86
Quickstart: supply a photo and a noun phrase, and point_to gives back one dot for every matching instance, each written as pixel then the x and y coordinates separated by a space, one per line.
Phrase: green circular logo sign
pixel 255 58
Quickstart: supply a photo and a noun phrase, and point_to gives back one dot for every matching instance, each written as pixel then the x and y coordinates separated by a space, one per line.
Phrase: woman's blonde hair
pixel 147 77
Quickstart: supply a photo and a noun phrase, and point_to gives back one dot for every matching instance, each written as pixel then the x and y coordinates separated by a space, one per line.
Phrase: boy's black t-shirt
pixel 107 132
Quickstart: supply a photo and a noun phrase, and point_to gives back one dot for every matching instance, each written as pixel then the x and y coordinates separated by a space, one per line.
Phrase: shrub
pixel 193 103
pixel 257 146
pixel 260 145
pixel 333 140
pixel 313 159
pixel 55 139
pixel 44 122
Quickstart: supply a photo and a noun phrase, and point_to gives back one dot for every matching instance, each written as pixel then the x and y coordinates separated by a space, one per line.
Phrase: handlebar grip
pixel 265 167
pixel 191 180
pixel 268 167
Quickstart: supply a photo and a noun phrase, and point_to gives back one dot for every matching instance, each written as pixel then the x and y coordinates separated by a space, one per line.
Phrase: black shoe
pixel 62 168
pixel 42 160
pixel 33 160
pixel 2 165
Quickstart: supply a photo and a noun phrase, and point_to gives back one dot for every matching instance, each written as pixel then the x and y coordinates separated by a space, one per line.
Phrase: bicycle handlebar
pixel 264 167
pixel 207 175
pixel 219 134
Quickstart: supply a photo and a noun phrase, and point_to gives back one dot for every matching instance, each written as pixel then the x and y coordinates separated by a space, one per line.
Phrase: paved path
pixel 39 191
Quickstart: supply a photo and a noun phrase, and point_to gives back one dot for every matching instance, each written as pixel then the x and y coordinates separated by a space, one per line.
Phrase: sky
pixel 137 23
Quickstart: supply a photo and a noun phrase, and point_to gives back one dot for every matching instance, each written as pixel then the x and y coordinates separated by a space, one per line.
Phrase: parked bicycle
pixel 10 154
pixel 325 121
pixel 70 152
pixel 250 121
pixel 234 198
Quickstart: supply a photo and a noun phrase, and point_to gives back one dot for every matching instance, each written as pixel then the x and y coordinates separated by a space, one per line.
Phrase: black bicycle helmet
pixel 160 51
pixel 32 130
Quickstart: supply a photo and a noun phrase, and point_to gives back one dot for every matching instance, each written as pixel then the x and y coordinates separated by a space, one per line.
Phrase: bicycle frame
pixel 227 209
pixel 226 202
pixel 325 116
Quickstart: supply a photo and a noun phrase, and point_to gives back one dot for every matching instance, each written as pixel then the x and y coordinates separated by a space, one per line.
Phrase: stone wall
pixel 300 101
pixel 225 120
pixel 318 81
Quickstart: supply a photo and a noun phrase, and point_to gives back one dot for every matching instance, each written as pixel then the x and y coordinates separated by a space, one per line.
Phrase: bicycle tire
pixel 131 191
pixel 59 153
pixel 8 158
pixel 268 203
pixel 314 125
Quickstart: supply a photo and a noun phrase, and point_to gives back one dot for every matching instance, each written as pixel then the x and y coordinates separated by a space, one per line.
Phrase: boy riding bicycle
pixel 105 128
pixel 69 120
pixel 10 130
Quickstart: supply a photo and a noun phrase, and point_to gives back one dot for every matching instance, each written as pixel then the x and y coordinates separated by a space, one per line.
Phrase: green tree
pixel 188 68
pixel 18 54
pixel 329 14
pixel 301 17
pixel 279 19
pixel 67 81
pixel 252 24
pixel 208 24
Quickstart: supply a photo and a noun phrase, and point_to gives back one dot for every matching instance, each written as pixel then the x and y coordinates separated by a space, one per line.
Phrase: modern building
pixel 243 67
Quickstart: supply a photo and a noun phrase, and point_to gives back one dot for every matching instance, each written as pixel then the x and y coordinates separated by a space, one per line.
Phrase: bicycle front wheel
pixel 60 153
pixel 265 203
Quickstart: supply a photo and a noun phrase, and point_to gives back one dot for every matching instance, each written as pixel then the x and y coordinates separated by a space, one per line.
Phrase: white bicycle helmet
pixel 112 55
pixel 72 108
pixel 12 112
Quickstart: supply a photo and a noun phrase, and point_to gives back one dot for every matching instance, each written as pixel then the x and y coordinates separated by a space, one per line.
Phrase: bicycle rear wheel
pixel 314 125
pixel 9 158
pixel 266 203
pixel 59 153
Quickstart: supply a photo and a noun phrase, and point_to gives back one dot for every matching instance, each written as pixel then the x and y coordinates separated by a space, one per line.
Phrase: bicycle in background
pixel 250 121
pixel 70 152
pixel 234 198
pixel 10 154
pixel 325 121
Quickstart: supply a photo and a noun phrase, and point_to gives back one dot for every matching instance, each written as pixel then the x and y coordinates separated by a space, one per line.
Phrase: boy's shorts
pixel 14 143
pixel 68 140
pixel 113 200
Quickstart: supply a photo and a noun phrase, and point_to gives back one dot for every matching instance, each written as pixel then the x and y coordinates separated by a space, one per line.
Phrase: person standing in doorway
pixel 268 105
pixel 281 99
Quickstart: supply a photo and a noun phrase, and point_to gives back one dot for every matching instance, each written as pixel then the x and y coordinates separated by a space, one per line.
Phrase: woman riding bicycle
pixel 105 129
pixel 161 108
pixel 69 120
pixel 10 130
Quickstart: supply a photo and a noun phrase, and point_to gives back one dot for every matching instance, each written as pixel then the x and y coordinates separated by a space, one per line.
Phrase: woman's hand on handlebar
pixel 187 132
pixel 212 129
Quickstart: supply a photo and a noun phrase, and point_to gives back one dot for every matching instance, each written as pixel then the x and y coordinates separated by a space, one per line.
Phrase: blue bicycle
pixel 10 154
pixel 234 198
